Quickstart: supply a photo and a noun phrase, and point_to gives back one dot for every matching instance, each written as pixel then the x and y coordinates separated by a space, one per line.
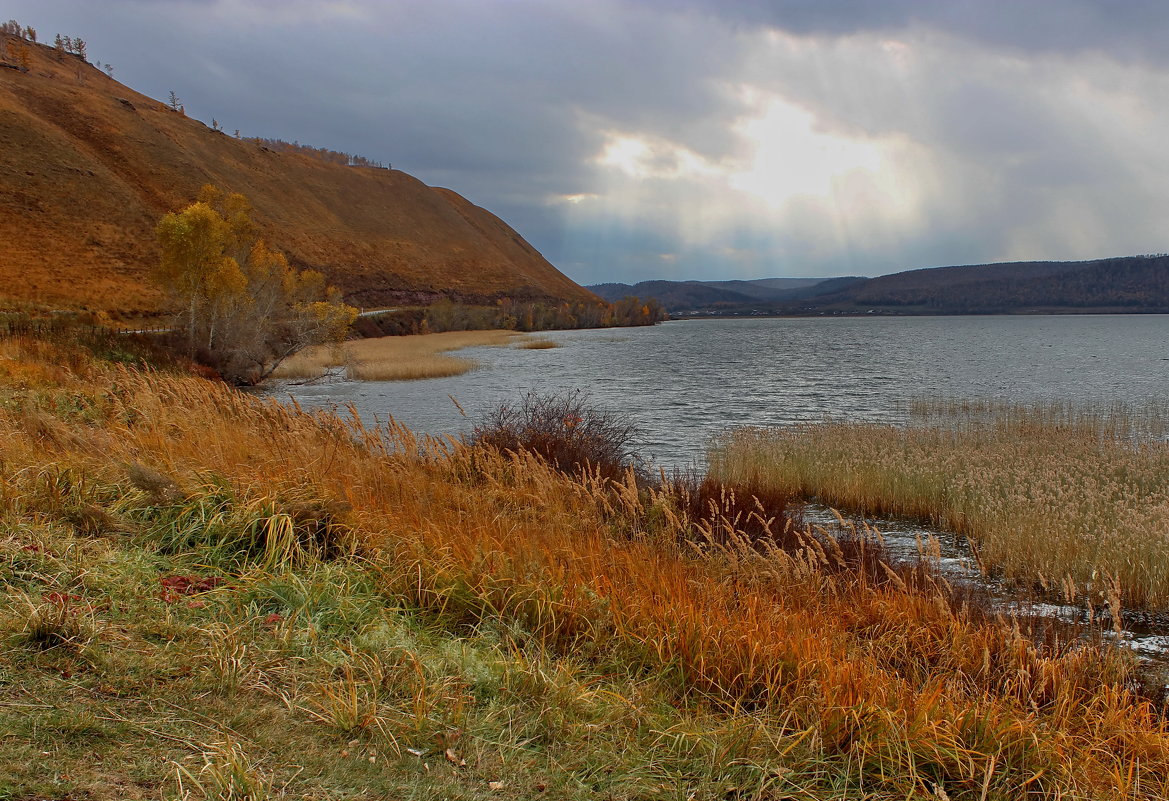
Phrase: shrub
pixel 565 431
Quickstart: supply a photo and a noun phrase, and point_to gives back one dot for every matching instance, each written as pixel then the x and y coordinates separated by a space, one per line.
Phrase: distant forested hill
pixel 680 297
pixel 674 295
pixel 1119 285
pixel 1127 284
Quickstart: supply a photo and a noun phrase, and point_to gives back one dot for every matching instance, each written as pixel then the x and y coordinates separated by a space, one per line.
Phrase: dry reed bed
pixel 404 358
pixel 538 343
pixel 899 690
pixel 1073 499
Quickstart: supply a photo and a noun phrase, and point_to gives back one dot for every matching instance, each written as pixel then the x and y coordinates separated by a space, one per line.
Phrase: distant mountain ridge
pixel 1127 284
pixel 1123 284
pixel 680 297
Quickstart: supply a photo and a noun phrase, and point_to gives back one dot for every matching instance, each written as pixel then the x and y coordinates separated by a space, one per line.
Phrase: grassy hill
pixel 88 166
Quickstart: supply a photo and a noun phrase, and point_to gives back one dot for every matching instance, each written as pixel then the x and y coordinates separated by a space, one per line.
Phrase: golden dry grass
pixel 404 358
pixel 312 362
pixel 1076 499
pixel 872 689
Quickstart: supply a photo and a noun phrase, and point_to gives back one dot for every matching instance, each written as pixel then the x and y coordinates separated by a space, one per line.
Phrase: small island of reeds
pixel 401 358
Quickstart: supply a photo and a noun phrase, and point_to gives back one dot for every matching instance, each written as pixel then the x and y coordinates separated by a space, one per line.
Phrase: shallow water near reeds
pixel 952 560
pixel 683 382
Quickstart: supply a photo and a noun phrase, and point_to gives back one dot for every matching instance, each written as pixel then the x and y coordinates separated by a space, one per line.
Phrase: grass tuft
pixel 58 622
pixel 537 343
pixel 227 774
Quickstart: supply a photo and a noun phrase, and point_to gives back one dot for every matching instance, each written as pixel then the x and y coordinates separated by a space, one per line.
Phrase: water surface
pixel 684 381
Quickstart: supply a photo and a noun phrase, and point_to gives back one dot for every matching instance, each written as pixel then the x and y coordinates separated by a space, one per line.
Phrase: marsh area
pixel 687 383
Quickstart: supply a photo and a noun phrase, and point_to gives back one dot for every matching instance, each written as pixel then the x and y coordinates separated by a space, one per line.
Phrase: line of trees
pixel 241 308
pixel 14 28
pixel 514 315
pixel 73 45
pixel 319 153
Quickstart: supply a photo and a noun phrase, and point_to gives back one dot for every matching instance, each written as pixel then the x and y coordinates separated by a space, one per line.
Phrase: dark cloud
pixel 1129 29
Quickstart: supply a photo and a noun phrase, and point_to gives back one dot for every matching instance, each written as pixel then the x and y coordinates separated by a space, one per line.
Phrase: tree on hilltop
pixel 243 309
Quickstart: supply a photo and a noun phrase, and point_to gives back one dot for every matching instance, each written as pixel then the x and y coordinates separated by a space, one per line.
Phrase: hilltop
pixel 88 166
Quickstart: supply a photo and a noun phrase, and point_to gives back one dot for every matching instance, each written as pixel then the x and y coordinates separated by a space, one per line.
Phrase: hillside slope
pixel 88 166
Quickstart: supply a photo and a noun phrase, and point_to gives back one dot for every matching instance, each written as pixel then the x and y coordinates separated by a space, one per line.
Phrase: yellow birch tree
pixel 243 307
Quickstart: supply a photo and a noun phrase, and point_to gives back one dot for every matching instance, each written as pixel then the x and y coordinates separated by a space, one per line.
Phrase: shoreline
pixel 394 358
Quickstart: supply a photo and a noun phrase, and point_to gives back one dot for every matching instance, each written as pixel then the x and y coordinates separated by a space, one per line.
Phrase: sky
pixel 630 140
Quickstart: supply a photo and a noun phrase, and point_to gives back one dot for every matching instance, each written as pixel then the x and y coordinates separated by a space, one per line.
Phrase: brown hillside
pixel 88 166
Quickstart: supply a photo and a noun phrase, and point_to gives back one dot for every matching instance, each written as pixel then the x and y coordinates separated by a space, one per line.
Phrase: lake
pixel 684 381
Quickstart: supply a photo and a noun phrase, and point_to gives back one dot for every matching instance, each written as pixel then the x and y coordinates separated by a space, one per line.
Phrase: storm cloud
pixel 636 139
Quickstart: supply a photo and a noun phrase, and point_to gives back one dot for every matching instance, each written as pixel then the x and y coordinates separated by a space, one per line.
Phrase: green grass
pixel 306 680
